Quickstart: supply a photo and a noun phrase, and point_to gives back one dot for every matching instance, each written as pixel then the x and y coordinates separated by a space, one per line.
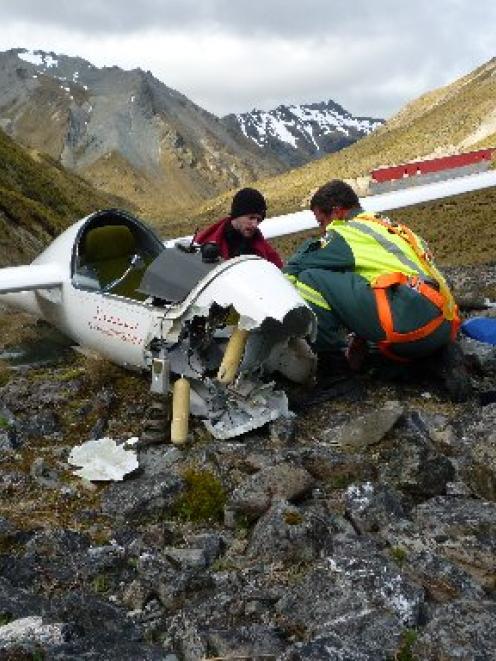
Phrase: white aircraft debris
pixel 104 460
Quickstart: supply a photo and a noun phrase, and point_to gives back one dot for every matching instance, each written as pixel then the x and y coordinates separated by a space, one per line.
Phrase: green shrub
pixel 398 554
pixel 407 641
pixel 203 499
pixel 100 583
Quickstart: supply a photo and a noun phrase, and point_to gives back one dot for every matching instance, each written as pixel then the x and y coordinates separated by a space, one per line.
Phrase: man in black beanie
pixel 238 233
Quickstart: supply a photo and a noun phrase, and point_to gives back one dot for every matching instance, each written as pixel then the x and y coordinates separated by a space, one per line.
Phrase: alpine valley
pixel 130 135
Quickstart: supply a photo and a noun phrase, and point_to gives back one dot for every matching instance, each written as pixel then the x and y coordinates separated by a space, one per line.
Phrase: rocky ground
pixel 365 528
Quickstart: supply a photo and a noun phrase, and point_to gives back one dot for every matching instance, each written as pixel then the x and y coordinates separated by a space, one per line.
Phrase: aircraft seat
pixel 108 251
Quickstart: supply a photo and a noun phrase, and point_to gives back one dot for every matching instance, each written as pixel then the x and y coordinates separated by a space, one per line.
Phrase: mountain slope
pixel 297 134
pixel 125 131
pixel 38 199
pixel 458 117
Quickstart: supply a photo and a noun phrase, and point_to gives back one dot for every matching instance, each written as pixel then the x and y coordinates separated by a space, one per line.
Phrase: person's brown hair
pixel 335 193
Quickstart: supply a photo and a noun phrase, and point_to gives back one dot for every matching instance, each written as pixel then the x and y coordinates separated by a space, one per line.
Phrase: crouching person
pixel 373 277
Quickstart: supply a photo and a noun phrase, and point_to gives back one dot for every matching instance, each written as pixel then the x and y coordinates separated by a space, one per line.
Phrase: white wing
pixel 304 220
pixel 34 276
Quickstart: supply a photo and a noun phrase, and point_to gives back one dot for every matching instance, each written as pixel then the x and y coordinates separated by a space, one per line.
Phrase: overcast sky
pixel 235 55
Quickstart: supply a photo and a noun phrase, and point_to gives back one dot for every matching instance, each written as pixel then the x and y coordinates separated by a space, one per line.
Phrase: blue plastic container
pixel 482 329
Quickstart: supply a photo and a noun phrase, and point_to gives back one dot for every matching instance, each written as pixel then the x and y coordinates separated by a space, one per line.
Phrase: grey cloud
pixel 311 18
pixel 370 56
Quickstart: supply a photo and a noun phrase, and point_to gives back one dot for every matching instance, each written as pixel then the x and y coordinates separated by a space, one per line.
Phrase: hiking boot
pixel 449 366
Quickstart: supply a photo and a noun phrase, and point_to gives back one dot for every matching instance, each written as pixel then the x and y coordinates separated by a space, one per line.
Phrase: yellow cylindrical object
pixel 180 411
pixel 233 355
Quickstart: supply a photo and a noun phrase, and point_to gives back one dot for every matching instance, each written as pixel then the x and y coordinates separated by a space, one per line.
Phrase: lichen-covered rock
pixel 479 470
pixel 94 616
pixel 44 475
pixel 366 430
pixel 287 533
pixel 39 425
pixel 461 630
pixel 283 481
pixel 185 558
pixel 442 580
pixel 246 642
pixel 439 429
pixel 8 434
pixel 356 594
pixel 29 630
pixel 478 463
pixel 16 603
pixel 331 647
pixel 479 355
pixel 141 497
pixel 462 530
pixel 371 506
pixel 171 582
pixel 211 544
pixel 415 467
pixel 187 638
pixel 336 468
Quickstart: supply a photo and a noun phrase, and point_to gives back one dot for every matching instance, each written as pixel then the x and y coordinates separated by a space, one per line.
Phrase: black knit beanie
pixel 248 201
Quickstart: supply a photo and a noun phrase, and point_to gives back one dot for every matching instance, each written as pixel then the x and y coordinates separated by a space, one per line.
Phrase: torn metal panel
pixel 240 415
pixel 234 410
pixel 104 460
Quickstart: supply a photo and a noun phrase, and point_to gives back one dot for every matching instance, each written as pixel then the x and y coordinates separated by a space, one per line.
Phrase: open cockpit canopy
pixel 112 252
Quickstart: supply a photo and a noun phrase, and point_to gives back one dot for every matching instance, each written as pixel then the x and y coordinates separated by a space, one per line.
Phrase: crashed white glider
pixel 112 286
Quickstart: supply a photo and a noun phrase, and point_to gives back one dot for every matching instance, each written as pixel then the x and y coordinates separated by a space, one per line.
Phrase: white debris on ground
pixel 104 460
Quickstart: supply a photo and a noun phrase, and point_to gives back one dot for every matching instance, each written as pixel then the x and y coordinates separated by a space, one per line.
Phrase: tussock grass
pixel 15 328
pixel 38 199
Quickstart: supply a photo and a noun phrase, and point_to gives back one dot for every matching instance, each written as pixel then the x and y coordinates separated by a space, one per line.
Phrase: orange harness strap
pixel 426 260
pixel 380 285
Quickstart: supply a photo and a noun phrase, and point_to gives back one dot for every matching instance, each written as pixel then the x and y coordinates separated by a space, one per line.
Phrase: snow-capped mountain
pixel 297 134
pixel 125 131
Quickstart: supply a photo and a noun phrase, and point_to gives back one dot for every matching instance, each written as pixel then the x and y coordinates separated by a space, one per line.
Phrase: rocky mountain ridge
pixel 297 134
pixel 125 131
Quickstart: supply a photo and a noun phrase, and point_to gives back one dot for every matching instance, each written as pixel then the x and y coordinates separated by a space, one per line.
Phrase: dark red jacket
pixel 216 234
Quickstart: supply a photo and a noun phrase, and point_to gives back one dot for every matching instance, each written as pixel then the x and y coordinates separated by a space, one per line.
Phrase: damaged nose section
pixel 273 320
pixel 228 365
pixel 259 293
